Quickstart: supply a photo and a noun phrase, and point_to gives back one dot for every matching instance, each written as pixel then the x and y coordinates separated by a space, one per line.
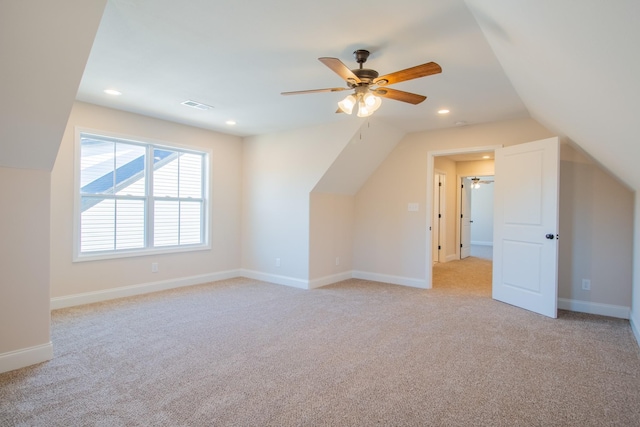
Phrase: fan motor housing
pixel 366 75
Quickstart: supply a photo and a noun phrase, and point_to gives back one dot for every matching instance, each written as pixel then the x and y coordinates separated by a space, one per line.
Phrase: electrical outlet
pixel 586 284
pixel 154 267
pixel 277 262
pixel 337 260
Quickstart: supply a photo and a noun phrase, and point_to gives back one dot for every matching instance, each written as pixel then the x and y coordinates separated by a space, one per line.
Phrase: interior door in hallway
pixel 437 222
pixel 465 218
pixel 525 251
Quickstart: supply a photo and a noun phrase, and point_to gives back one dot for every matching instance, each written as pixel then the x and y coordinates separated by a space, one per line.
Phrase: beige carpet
pixel 357 353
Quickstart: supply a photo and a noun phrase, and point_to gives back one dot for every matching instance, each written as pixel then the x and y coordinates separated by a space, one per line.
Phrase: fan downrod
pixel 361 56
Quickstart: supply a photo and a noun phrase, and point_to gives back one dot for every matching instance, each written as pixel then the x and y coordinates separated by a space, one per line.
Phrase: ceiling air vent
pixel 197 105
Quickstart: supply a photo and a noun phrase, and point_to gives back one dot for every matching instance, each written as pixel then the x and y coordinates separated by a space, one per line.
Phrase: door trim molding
pixel 619 311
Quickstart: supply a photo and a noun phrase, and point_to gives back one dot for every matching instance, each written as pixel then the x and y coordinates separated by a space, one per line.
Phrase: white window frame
pixel 148 250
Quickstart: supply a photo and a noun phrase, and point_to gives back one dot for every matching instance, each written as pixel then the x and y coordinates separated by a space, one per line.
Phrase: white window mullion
pixel 150 199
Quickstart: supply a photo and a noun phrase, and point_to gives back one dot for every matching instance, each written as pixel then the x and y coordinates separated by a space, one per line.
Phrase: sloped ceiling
pixel 362 155
pixel 576 67
pixel 44 47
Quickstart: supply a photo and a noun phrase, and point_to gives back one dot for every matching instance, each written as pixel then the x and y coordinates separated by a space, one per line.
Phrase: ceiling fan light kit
pixel 367 86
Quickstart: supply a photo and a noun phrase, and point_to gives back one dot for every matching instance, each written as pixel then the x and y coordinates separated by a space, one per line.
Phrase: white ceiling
pixel 572 65
pixel 239 56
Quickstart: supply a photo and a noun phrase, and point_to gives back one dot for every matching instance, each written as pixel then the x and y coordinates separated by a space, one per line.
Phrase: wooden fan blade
pixel 340 69
pixel 410 73
pixel 330 89
pixel 399 95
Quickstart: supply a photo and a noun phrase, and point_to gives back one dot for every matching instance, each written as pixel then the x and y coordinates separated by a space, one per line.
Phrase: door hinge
pixel 439 215
pixel 439 248
pixel 461 215
pixel 460 244
pixel 439 184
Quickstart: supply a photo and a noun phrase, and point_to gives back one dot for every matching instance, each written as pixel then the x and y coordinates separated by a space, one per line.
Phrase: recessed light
pixel 230 122
pixel 112 92
pixel 443 111
pixel 486 157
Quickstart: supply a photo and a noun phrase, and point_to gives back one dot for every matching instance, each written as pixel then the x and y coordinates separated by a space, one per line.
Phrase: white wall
pixel 390 241
pixel 279 172
pixel 24 267
pixel 44 47
pixel 596 215
pixel 69 278
pixel 331 238
pixel 596 233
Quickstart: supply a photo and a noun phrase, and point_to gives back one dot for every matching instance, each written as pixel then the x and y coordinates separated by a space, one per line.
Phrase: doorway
pixel 475 200
pixel 525 267
pixel 455 166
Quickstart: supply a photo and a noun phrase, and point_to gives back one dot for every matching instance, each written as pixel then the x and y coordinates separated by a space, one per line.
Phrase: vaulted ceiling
pixel 571 65
pixel 239 56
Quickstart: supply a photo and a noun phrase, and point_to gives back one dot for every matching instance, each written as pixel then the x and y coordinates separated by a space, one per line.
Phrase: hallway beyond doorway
pixel 482 251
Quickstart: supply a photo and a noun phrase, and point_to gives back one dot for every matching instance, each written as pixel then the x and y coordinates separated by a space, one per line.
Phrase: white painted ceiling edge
pixel 575 65
pixel 44 47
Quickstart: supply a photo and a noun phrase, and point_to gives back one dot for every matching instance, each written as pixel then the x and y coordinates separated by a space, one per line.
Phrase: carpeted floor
pixel 247 353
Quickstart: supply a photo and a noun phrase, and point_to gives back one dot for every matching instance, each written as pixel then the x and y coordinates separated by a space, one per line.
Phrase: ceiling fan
pixel 368 87
pixel 475 182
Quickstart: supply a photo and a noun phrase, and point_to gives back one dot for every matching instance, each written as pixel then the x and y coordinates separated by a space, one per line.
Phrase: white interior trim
pixel 274 278
pixel 328 280
pixel 610 310
pixel 394 280
pixel 25 357
pixel 144 288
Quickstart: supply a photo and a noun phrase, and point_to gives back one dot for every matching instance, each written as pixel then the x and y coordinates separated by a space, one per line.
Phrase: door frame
pixel 429 209
pixel 442 224
pixel 459 214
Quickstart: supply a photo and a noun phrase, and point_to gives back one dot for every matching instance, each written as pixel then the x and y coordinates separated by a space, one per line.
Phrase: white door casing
pixel 525 248
pixel 465 218
pixel 435 221
pixel 437 218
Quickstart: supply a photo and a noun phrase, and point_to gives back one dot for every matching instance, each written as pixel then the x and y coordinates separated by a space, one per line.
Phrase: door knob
pixel 550 236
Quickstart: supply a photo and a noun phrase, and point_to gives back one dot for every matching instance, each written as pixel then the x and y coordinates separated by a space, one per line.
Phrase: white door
pixel 525 246
pixel 465 218
pixel 435 218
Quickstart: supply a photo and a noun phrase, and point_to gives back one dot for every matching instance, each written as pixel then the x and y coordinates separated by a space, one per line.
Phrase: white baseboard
pixel 328 280
pixel 25 357
pixel 274 278
pixel 610 310
pixel 144 288
pixel 395 280
pixel 481 243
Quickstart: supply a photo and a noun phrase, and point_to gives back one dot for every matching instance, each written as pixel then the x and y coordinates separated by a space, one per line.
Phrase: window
pixel 137 197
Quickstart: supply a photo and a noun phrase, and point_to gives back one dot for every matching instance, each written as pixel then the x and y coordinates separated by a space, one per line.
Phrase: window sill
pixel 99 256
